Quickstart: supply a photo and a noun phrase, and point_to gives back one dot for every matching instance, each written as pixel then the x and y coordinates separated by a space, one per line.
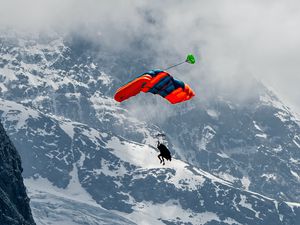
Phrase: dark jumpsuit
pixel 164 153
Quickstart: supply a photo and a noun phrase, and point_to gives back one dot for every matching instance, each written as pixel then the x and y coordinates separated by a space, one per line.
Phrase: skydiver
pixel 164 153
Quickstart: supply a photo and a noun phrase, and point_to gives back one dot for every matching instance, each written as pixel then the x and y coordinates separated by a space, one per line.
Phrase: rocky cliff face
pixel 14 203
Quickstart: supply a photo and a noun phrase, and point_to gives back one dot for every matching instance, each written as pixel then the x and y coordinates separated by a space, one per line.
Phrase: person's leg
pixel 160 158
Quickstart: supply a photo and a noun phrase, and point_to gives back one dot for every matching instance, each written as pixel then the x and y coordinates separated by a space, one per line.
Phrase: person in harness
pixel 164 153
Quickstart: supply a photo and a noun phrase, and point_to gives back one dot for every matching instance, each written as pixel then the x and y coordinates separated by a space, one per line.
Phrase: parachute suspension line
pixel 174 65
pixel 189 59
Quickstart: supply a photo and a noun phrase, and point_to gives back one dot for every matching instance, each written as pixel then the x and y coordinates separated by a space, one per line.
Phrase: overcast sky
pixel 233 38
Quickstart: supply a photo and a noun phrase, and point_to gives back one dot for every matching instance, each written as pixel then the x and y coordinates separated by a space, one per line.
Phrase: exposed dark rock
pixel 14 203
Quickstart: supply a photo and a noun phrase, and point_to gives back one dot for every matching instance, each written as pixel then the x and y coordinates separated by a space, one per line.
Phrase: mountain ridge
pixel 57 103
pixel 130 173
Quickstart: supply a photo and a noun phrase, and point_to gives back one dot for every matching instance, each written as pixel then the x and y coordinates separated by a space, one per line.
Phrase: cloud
pixel 232 39
pixel 241 39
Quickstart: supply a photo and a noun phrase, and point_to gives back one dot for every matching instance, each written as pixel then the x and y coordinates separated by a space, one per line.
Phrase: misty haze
pixel 149 112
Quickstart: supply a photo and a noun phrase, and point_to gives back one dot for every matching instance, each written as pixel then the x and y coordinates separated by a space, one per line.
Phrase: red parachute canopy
pixel 156 82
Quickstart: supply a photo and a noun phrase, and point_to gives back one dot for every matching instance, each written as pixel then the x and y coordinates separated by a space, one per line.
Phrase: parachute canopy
pixel 156 82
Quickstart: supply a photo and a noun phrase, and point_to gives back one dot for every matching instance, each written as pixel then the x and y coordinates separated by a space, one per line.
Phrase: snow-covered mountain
pixel 97 159
pixel 254 145
pixel 75 163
